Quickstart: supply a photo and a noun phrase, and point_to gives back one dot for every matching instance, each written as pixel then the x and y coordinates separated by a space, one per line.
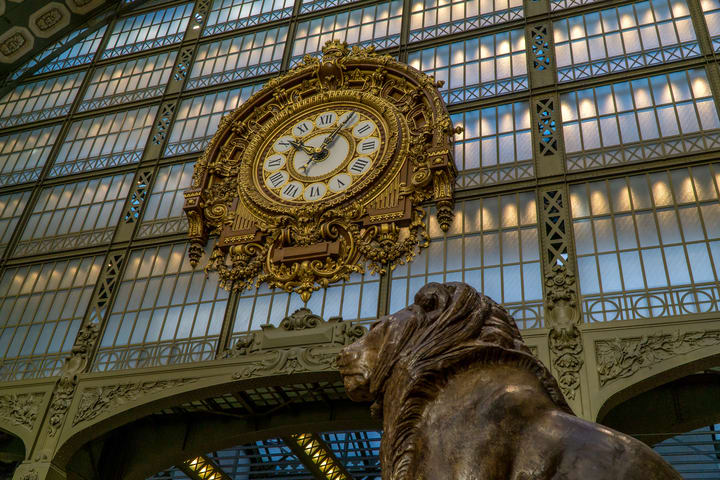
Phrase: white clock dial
pixel 340 182
pixel 315 191
pixel 348 119
pixel 363 129
pixel 314 167
pixel 274 162
pixel 359 165
pixel 277 179
pixel 282 144
pixel 368 146
pixel 291 190
pixel 303 128
pixel 326 119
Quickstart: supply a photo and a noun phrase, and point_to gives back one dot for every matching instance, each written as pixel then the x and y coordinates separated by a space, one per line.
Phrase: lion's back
pixel 569 448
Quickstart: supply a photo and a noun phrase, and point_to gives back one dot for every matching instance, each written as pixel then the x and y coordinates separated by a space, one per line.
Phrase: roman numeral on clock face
pixel 325 119
pixel 369 145
pixel 274 162
pixel 359 166
pixel 315 191
pixel 277 179
pixel 303 128
pixel 291 190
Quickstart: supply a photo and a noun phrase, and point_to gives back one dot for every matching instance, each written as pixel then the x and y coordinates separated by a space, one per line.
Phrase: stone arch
pixel 152 442
pixel 652 376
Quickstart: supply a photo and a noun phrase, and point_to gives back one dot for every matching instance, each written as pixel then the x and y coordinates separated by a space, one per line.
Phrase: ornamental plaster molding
pixel 83 6
pixel 99 400
pixel 15 43
pixel 290 361
pixel 49 19
pixel 21 409
pixel 564 338
pixel 619 358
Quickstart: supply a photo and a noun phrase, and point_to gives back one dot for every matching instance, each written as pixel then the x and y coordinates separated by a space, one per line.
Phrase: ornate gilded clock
pixel 321 173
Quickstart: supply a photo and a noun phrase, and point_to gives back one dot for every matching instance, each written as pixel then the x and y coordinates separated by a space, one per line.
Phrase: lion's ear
pixel 434 297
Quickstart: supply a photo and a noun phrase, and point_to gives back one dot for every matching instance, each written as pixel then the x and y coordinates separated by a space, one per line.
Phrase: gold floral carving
pixel 376 224
pixel 95 401
pixel 624 357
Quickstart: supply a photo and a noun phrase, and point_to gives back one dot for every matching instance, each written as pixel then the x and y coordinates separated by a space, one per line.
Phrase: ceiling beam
pixel 203 468
pixel 317 456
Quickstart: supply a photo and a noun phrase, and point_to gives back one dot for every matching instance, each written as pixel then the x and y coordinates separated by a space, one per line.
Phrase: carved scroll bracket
pixel 561 306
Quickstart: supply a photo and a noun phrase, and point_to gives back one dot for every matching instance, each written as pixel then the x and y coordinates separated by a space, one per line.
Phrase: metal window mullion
pixel 596 251
pixel 657 228
pixel 702 222
pixel 683 241
pixel 163 275
pixel 22 314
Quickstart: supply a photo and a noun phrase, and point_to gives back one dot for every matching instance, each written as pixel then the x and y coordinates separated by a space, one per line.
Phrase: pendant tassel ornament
pixel 321 174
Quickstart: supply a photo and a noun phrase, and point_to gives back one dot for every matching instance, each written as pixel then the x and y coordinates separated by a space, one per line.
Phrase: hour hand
pixel 301 146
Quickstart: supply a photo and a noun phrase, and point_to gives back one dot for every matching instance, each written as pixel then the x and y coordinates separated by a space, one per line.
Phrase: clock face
pixel 320 153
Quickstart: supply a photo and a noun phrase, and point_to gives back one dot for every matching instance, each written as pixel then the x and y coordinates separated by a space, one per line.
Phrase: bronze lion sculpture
pixel 462 397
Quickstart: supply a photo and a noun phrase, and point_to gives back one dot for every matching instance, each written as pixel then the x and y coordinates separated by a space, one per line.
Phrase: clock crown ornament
pixel 322 173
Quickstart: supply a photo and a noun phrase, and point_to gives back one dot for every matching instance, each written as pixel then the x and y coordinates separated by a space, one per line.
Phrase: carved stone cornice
pixel 21 409
pixel 303 342
pixel 98 400
pixel 307 329
pixel 623 357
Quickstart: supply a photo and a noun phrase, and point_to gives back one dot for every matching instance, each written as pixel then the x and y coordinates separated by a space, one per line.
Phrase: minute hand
pixel 328 140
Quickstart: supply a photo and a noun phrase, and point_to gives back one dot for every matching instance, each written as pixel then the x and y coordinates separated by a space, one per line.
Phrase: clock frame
pixel 301 245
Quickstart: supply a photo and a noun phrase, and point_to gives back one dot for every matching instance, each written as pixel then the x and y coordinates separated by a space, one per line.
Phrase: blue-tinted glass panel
pixel 695 455
pixel 492 245
pixel 164 312
pixel 23 154
pixel 438 18
pixel 244 56
pixel 624 38
pixel 377 25
pixel 227 15
pixel 105 141
pixel 129 81
pixel 354 299
pixel 648 246
pixel 198 118
pixel 85 44
pixel 75 215
pixel 644 119
pixel 42 308
pixel 164 208
pixel 495 145
pixel 711 10
pixel 12 206
pixel 148 30
pixel 39 100
pixel 481 67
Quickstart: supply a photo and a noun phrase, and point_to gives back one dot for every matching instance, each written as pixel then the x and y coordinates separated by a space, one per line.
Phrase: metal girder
pixel 203 468
pixel 315 454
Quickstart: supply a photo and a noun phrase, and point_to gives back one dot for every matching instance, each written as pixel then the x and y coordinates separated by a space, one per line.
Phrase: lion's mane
pixel 452 328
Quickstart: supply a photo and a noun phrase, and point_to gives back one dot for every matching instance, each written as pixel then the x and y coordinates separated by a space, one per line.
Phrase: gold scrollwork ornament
pixel 321 173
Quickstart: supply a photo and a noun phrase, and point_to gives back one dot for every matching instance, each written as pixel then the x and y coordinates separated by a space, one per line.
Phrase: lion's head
pixel 448 327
